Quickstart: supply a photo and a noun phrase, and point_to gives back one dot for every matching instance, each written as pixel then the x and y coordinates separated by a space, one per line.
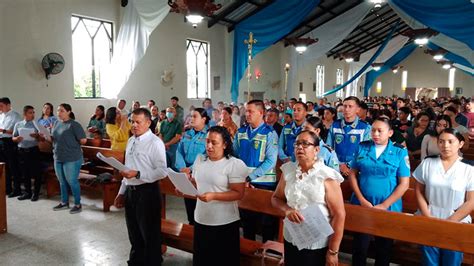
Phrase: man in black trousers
pixel 145 157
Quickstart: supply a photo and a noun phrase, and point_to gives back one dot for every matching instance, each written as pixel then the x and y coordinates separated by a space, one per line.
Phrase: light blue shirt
pixel 8 121
pixel 271 153
pixel 25 144
pixel 48 122
pixel 190 146
pixel 328 155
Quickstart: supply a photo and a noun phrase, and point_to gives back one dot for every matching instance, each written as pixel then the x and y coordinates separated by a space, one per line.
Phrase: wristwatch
pixel 138 175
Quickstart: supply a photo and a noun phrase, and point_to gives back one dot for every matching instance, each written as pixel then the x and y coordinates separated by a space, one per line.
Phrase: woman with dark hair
pixel 216 230
pixel 308 182
pixel 326 153
pixel 445 190
pixel 379 177
pixel 226 121
pixel 96 126
pixel 67 137
pixel 47 118
pixel 414 135
pixel 191 145
pixel 117 128
pixel 429 145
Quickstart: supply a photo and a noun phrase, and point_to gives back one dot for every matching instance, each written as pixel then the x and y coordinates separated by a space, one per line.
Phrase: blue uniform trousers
pixel 437 256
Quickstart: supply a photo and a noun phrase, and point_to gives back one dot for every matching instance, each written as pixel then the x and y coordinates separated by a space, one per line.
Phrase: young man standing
pixel 286 151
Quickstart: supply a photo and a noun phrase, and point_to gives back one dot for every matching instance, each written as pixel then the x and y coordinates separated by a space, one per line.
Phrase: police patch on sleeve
pixel 407 161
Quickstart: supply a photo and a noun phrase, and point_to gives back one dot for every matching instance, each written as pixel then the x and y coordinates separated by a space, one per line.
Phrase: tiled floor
pixel 37 235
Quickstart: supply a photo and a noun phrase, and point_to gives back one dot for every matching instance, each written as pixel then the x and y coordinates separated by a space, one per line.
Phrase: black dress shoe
pixel 14 194
pixel 25 196
pixel 35 197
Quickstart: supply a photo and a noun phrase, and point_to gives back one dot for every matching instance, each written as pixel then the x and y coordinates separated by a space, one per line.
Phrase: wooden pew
pixel 3 202
pixel 104 143
pixel 91 168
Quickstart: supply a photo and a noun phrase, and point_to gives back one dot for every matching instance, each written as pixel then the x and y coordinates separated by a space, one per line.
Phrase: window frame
pixel 111 37
pixel 320 80
pixel 208 67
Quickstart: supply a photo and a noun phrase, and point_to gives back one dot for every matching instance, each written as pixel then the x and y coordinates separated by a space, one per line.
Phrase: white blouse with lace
pixel 305 189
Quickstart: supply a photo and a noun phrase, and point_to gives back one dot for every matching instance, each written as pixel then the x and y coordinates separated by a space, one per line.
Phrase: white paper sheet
pixel 182 183
pixel 112 162
pixel 314 228
pixel 25 133
pixel 42 130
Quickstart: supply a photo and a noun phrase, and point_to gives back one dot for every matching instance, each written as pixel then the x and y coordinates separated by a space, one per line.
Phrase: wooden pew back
pixel 408 228
pixel 98 166
pixel 104 143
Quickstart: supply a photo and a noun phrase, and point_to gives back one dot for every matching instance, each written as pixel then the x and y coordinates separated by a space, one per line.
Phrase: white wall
pixel 422 72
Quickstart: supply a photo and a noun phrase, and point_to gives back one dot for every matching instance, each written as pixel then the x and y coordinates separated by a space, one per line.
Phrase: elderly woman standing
pixel 306 182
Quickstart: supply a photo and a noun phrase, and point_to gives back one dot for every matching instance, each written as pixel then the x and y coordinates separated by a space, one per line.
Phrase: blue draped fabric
pixel 268 26
pixel 453 18
pixel 372 75
pixel 451 56
pixel 371 60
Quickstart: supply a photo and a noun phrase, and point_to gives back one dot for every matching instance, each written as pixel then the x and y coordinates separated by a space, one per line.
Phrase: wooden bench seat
pixel 91 168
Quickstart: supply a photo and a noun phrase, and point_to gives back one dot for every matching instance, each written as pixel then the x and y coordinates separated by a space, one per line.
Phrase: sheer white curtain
pixel 393 46
pixel 329 34
pixel 140 18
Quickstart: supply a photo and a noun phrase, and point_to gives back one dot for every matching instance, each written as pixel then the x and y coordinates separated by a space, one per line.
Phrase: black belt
pixel 143 186
pixel 35 148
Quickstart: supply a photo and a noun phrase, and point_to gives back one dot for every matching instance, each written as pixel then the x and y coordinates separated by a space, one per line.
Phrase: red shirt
pixel 470 117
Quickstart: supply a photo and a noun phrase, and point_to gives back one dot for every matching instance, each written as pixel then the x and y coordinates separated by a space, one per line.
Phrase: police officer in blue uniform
pixel 345 134
pixel 257 145
pixel 326 153
pixel 379 177
pixel 286 151
pixel 190 146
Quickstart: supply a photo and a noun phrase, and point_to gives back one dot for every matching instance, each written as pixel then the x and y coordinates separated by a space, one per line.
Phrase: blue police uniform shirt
pixel 328 155
pixel 378 177
pixel 190 146
pixel 25 144
pixel 287 139
pixel 258 148
pixel 345 139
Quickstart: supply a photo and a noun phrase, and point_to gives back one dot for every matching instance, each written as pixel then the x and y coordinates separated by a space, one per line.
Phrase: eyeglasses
pixel 303 144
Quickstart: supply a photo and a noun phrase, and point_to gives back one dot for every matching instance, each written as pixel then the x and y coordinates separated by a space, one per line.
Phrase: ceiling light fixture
pixel 301 44
pixel 447 65
pixel 377 3
pixel 377 66
pixel 420 36
pixel 396 68
pixel 349 57
pixel 194 10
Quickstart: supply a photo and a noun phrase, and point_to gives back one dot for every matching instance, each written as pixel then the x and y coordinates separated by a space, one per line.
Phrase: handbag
pixel 271 250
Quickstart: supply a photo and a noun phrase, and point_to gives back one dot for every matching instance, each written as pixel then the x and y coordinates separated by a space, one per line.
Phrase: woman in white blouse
pixel 309 182
pixel 220 180
pixel 445 190
pixel 429 145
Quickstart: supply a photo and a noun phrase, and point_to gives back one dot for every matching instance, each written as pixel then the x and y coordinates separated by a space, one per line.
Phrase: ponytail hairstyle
pixel 68 108
pixel 203 114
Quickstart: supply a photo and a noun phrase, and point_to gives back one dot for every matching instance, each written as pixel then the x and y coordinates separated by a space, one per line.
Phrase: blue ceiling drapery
pixel 393 61
pixel 454 18
pixel 268 26
pixel 367 65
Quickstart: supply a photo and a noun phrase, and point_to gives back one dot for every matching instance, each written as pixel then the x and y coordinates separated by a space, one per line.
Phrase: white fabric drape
pixel 329 34
pixel 441 40
pixel 140 18
pixel 465 68
pixel 393 46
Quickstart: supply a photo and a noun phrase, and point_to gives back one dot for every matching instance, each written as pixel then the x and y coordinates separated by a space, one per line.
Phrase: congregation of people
pixel 301 151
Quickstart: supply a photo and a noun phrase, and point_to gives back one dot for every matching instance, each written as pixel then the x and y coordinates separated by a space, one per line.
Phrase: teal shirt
pixel 169 129
pixel 99 124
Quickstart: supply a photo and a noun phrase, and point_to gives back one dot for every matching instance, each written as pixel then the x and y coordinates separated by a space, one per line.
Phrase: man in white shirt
pixel 8 149
pixel 121 104
pixel 140 193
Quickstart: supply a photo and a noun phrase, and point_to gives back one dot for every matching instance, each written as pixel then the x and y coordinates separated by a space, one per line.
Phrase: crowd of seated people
pixel 375 143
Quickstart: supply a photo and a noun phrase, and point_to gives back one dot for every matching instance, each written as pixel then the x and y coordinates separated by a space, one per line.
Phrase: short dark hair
pixel 364 106
pixel 384 119
pixel 111 115
pixel 293 99
pixel 313 135
pixel 405 109
pixel 226 137
pixel 353 98
pixel 175 98
pixel 142 111
pixel 203 114
pixel 152 101
pixel 302 103
pixel 274 110
pixel 315 122
pixel 451 109
pixel 258 103
pixel 27 108
pixel 274 102
pixel 454 132
pixel 5 100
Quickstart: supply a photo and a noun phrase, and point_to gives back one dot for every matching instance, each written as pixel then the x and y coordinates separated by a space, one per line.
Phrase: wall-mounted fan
pixel 52 63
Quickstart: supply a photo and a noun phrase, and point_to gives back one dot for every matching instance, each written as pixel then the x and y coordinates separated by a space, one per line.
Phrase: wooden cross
pixel 250 42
